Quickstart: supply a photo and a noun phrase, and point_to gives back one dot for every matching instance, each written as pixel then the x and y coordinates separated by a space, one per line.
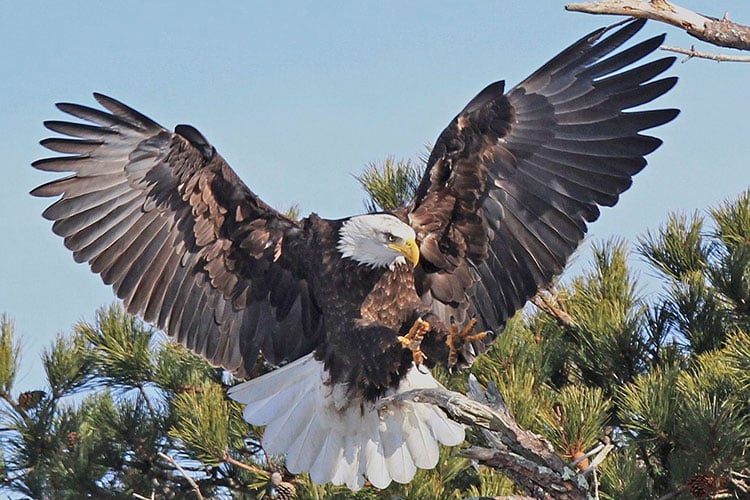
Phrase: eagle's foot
pixel 413 340
pixel 458 338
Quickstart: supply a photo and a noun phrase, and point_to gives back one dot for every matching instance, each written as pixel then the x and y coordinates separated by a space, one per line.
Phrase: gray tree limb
pixel 720 32
pixel 523 456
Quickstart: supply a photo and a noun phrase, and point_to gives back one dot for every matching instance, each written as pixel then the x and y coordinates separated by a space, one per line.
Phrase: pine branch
pixel 524 457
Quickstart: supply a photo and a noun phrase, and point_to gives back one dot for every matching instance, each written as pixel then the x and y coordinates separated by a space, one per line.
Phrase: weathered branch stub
pixel 525 457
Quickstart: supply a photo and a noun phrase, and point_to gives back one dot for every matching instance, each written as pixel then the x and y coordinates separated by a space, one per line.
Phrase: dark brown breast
pixel 393 298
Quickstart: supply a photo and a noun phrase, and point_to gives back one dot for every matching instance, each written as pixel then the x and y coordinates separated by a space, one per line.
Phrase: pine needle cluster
pixel 390 184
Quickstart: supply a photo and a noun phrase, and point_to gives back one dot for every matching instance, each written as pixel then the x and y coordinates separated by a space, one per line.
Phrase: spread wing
pixel 183 242
pixel 513 180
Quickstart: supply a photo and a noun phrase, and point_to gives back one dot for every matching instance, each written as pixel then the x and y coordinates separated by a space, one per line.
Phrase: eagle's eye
pixel 391 238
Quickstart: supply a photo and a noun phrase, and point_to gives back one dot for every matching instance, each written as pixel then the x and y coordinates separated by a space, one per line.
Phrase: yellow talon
pixel 413 339
pixel 456 339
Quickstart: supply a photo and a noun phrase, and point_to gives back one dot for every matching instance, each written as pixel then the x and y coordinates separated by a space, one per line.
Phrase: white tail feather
pixel 341 441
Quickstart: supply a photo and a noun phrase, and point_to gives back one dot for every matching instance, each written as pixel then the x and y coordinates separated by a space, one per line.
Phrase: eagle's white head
pixel 378 240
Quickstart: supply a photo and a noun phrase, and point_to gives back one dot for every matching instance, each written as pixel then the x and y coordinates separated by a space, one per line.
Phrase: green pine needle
pixel 700 312
pixel 737 352
pixel 649 405
pixel 390 184
pixel 623 475
pixel 576 420
pixel 678 248
pixel 201 417
pixel 733 221
pixel 9 354
pixel 121 347
pixel 609 344
pixel 178 370
pixel 68 363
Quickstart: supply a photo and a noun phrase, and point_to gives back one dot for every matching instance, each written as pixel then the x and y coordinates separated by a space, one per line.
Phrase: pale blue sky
pixel 298 96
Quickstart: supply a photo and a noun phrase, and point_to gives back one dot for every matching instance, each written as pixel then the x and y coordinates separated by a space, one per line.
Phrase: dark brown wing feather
pixel 184 243
pixel 513 180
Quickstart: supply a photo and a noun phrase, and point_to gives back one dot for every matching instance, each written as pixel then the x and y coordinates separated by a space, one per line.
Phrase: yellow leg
pixel 457 338
pixel 413 339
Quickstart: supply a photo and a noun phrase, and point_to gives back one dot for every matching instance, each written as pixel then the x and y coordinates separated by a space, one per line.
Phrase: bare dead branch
pixel 740 481
pixel 184 473
pixel 230 459
pixel 588 455
pixel 691 52
pixel 523 456
pixel 599 458
pixel 721 32
pixel 547 304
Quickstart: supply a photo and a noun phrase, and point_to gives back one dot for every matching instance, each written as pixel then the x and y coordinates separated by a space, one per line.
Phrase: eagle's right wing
pixel 181 239
pixel 514 179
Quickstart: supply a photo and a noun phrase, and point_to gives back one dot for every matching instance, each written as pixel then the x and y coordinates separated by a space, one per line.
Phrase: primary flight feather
pixel 351 308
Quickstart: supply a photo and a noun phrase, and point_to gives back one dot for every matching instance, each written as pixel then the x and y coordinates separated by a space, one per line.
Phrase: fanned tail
pixel 323 432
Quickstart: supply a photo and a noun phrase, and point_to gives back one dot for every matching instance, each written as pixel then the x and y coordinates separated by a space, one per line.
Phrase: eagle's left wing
pixel 514 178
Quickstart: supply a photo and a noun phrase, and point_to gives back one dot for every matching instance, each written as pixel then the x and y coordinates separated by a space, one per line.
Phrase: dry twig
pixel 600 453
pixel 190 480
pixel 547 303
pixel 257 470
pixel 691 52
pixel 740 481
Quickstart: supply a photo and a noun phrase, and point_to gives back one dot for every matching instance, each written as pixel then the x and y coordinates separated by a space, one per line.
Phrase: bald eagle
pixel 355 309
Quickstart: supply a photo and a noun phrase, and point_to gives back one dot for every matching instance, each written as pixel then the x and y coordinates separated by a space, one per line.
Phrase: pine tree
pixel 658 387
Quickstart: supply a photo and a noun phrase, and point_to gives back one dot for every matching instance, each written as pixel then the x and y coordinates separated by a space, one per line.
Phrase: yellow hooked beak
pixel 408 249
